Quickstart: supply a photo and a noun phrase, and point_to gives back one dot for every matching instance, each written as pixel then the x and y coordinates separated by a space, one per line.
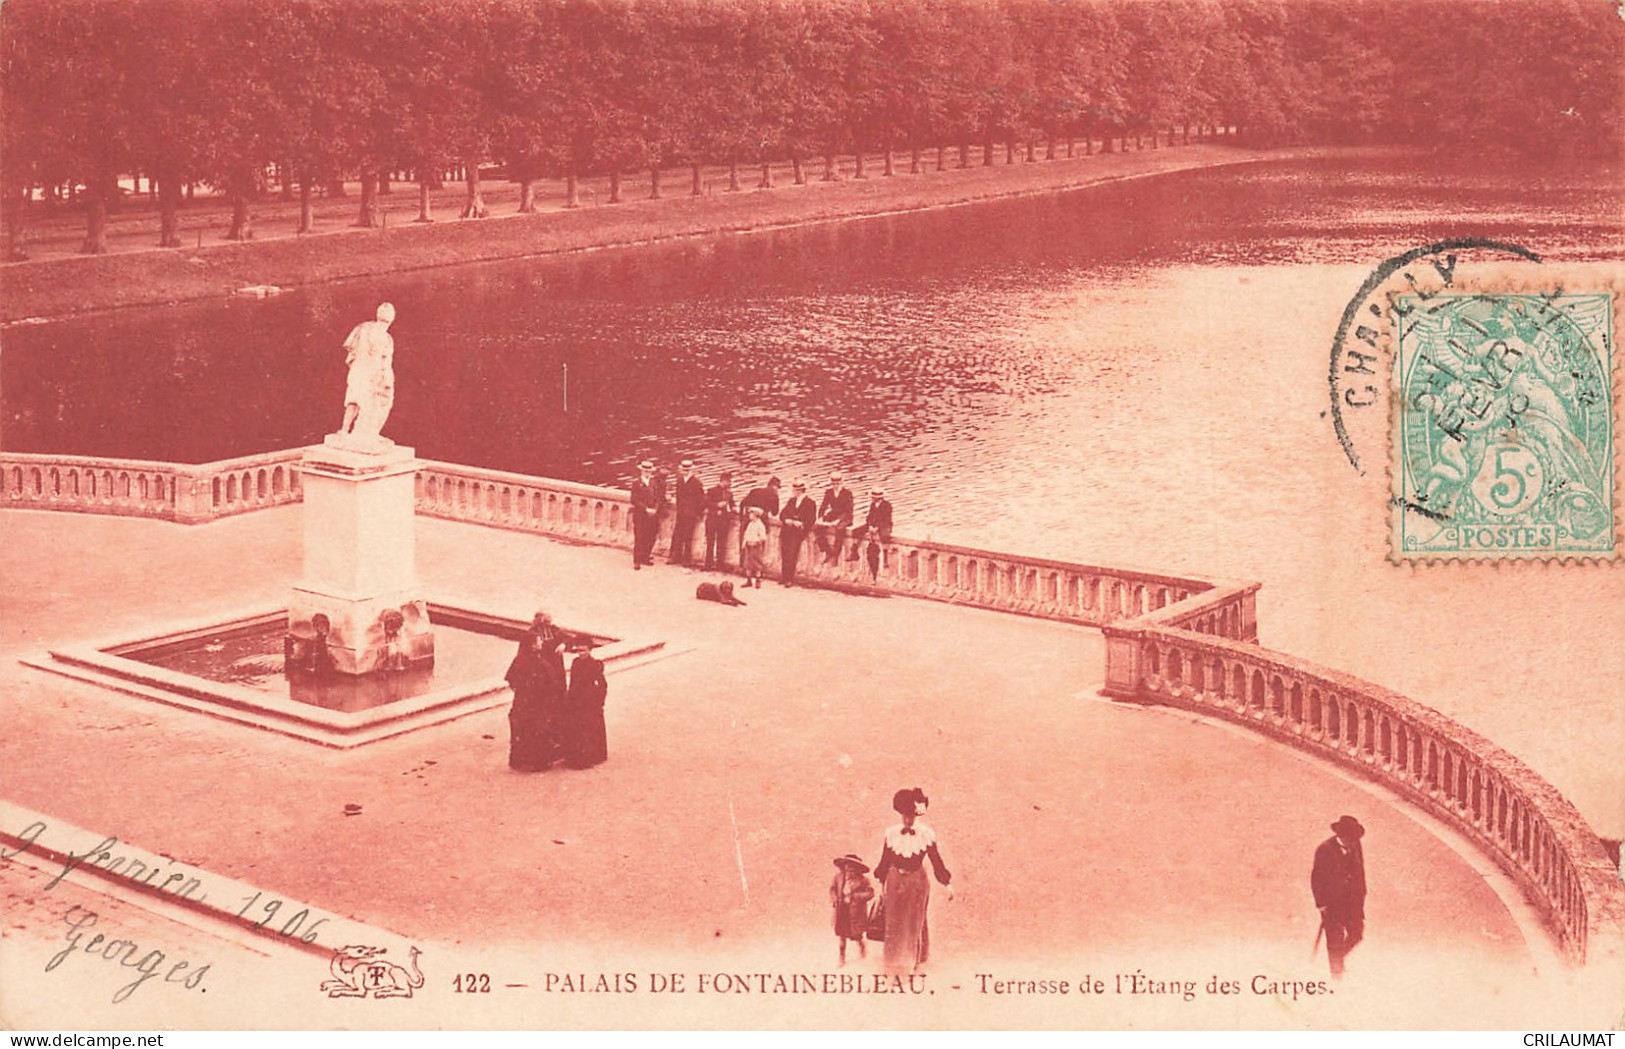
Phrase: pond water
pixel 1131 374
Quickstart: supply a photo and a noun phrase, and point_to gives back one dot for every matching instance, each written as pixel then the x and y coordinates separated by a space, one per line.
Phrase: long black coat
pixel 537 680
pixel 1338 878
pixel 585 741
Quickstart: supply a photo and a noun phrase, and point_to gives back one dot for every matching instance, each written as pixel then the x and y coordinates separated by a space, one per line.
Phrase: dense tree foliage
pixel 233 93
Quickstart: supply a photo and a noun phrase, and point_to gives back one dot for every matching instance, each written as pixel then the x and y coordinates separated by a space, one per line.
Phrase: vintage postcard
pixel 735 515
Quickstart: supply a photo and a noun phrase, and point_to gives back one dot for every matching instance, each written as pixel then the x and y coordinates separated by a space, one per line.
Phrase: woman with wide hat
pixel 906 887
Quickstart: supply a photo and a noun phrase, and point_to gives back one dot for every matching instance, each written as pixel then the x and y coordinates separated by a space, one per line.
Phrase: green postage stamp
pixel 1503 443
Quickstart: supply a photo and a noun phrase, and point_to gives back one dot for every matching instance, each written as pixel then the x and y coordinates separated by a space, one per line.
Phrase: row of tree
pixel 226 91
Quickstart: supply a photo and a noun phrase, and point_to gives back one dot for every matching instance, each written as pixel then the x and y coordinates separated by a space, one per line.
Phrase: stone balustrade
pixel 1175 640
pixel 1063 590
pixel 1517 818
pixel 189 494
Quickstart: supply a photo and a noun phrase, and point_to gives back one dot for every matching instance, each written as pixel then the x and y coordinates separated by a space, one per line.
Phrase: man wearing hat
pixel 876 528
pixel 796 519
pixel 646 500
pixel 834 519
pixel 850 894
pixel 1338 882
pixel 690 500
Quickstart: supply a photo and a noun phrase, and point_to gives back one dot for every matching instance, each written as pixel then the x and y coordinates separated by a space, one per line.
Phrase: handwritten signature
pixel 127 953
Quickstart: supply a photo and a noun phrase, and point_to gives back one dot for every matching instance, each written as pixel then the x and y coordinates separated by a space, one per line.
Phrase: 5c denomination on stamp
pixel 1503 440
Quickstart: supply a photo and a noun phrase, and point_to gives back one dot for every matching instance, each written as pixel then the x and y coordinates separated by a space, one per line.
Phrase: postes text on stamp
pixel 1503 444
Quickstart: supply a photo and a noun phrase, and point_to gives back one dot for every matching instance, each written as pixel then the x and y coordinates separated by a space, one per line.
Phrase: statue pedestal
pixel 360 576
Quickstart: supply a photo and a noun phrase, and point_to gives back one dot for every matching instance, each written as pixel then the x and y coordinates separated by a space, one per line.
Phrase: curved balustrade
pixel 141 488
pixel 1183 641
pixel 1518 818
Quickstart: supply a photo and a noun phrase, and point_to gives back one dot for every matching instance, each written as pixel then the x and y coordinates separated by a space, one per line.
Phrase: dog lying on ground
pixel 721 593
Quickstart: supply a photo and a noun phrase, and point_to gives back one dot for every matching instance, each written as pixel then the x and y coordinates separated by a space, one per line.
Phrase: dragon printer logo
pixel 358 972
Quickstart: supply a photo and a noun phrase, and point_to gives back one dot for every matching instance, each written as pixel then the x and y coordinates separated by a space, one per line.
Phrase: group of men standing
pixel 828 522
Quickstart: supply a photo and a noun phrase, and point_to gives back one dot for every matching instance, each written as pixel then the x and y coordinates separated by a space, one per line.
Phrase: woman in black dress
pixel 585 742
pixel 537 679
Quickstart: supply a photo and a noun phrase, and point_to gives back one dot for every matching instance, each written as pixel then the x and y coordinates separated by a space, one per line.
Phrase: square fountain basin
pixel 232 669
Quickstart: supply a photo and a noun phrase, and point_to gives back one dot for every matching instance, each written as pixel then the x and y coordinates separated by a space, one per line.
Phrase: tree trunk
pixel 384 182
pixel 914 160
pixel 941 157
pixel 695 189
pixel 425 202
pixel 306 217
pixel 1071 143
pixel 797 172
pixel 829 167
pixel 1032 151
pixel 15 205
pixel 474 202
pixel 335 187
pixel 767 176
pixel 527 196
pixel 1185 134
pixel 1088 145
pixel 1009 151
pixel 886 170
pixel 169 204
pixel 1049 147
pixel 964 153
pixel 733 175
pixel 95 216
pixel 615 186
pixel 654 182
pixel 572 190
pixel 367 217
pixel 242 221
pixel 857 164
pixel 987 153
pixel 1139 141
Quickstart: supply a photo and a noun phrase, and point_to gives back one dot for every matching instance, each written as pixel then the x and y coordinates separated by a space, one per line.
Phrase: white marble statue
pixel 369 393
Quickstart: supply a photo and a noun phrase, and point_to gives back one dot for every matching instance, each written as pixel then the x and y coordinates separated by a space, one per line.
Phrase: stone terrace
pixel 778 730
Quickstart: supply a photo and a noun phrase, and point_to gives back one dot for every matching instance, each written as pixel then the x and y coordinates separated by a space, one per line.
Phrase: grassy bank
pixel 63 285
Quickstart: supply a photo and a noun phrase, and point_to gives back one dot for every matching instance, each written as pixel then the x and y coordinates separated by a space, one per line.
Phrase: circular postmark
pixel 1351 375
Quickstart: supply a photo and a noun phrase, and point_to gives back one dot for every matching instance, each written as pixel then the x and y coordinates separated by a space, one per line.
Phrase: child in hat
pixel 850 894
pixel 755 548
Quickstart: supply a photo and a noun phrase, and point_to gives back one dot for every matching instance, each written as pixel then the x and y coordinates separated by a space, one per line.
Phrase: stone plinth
pixel 360 575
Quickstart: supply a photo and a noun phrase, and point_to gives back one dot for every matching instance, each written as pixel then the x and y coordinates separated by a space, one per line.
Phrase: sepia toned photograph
pixel 733 515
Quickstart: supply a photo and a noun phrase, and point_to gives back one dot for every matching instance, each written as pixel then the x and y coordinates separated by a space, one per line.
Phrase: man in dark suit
pixel 646 502
pixel 796 519
pixel 1338 883
pixel 876 529
pixel 834 519
pixel 690 508
pixel 719 515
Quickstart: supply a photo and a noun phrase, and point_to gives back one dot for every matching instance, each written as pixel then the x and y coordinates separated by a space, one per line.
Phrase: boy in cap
pixel 753 547
pixel 850 894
